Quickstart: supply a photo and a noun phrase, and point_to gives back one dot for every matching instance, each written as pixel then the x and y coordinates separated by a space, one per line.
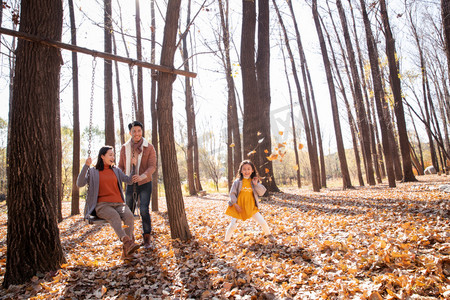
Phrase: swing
pixel 93 218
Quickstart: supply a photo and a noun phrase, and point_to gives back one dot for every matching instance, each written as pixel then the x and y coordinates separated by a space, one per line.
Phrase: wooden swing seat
pixel 94 220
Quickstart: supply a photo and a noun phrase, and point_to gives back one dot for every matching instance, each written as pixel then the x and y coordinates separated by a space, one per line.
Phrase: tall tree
pixel 189 107
pixel 251 116
pixel 263 80
pixel 140 89
pixel 154 112
pixel 312 150
pixel 408 174
pixel 108 92
pixel 309 95
pixel 33 244
pixel 75 207
pixel 426 100
pixel 360 109
pixel 119 94
pixel 378 94
pixel 179 227
pixel 346 182
pixel 234 136
pixel 445 10
pixel 294 133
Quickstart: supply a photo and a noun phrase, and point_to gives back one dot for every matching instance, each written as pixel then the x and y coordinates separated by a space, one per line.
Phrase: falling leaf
pixel 280 132
pixel 266 151
pixel 251 152
pixel 295 167
pixel 232 145
pixel 300 146
pixel 258 133
pixel 280 145
pixel 260 141
pixel 267 170
pixel 272 157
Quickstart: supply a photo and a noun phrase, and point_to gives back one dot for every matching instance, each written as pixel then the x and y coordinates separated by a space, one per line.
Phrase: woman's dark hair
pixel 100 165
pixel 247 162
pixel 135 123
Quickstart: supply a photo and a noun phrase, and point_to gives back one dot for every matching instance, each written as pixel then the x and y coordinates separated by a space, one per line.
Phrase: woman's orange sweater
pixel 108 189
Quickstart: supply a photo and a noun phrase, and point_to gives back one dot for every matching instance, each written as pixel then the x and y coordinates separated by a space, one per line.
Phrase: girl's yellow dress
pixel 246 201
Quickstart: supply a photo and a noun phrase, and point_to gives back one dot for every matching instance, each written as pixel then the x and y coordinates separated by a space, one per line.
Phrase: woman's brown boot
pixel 129 247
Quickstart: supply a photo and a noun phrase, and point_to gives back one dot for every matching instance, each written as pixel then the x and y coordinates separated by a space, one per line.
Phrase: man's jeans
pixel 143 192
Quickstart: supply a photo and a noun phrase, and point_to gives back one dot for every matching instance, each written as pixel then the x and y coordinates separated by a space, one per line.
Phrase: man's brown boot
pixel 147 241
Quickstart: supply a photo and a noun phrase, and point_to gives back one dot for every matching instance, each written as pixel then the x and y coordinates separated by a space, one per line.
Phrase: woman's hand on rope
pixel 88 161
pixel 137 178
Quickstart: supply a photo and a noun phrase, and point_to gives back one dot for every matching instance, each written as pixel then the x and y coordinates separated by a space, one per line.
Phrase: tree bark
pixel 264 165
pixel 75 205
pixel 33 244
pixel 190 112
pixel 445 10
pixel 408 174
pixel 179 227
pixel 154 111
pixel 251 116
pixel 108 93
pixel 140 116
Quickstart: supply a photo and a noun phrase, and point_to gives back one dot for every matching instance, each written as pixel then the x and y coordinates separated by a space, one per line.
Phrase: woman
pixel 105 196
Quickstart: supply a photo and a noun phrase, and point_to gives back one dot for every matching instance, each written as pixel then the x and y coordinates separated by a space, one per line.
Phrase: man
pixel 145 153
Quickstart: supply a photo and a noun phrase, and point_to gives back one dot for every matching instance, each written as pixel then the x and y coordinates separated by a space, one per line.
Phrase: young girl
pixel 244 195
pixel 105 196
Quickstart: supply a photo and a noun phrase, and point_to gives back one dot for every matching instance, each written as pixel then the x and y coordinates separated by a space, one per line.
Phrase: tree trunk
pixel 59 163
pixel 249 84
pixel 75 205
pixel 378 95
pixel 263 75
pixel 408 174
pixel 190 113
pixel 119 94
pixel 179 227
pixel 198 184
pixel 108 93
pixel 234 136
pixel 312 151
pixel 445 7
pixel 346 181
pixel 140 116
pixel 420 164
pixel 154 111
pixel 360 109
pixel 294 134
pixel 134 101
pixel 314 119
pixel 33 244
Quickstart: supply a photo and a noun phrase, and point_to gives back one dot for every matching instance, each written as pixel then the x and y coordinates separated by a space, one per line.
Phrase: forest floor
pixel 367 243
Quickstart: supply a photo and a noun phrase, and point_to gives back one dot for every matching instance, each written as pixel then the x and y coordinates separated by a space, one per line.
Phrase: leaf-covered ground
pixel 367 243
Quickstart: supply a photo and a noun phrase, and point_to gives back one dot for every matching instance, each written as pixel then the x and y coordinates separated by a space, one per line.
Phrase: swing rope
pixel 93 219
pixel 91 109
pixel 133 117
